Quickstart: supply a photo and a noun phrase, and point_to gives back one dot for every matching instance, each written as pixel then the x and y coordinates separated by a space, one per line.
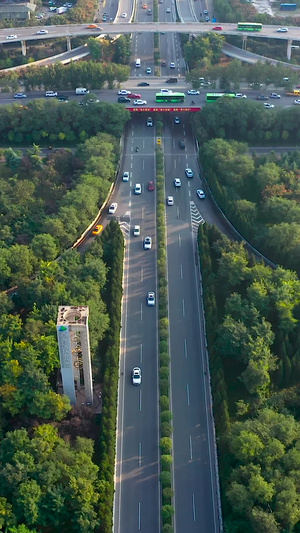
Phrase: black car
pixel 262 97
pixel 172 80
pixel 123 99
pixel 181 145
pixel 62 98
pixel 143 84
pixel 163 64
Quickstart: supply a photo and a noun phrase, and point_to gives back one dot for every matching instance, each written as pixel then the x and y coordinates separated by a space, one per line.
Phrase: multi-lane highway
pixel 137 472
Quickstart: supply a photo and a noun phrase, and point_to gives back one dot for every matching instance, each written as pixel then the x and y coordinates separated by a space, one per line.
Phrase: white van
pixel 137 63
pixel 51 93
pixel 81 90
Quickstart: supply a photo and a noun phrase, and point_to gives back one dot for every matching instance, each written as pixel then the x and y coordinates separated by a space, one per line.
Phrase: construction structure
pixel 74 351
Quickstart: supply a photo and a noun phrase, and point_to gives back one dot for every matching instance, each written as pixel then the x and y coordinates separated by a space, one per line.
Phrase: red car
pixel 151 186
pixel 218 28
pixel 133 95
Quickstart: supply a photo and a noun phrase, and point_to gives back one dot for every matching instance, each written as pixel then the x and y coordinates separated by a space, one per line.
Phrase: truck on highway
pixel 81 90
pixel 61 10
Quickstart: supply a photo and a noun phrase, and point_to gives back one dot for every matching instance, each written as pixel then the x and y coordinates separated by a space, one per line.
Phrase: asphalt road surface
pixel 137 501
pixel 195 480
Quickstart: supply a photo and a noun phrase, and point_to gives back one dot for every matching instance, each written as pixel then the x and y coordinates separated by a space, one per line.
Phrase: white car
pixel 151 298
pixel 189 173
pixel 147 243
pixel 268 106
pixel 282 30
pixel 10 37
pixel 124 15
pixel 177 182
pixel 20 95
pixel 297 102
pixel 125 176
pixel 149 121
pixel 140 102
pixel 168 10
pixel 172 65
pixel 123 92
pixel 200 194
pixel 136 376
pixel 137 231
pixel 205 12
pixel 112 208
pixel 51 94
pixel 42 32
pixel 193 92
pixel 138 189
pixel 240 95
pixel 275 95
pixel 170 200
pixel 166 91
pixel 148 71
pixel 177 120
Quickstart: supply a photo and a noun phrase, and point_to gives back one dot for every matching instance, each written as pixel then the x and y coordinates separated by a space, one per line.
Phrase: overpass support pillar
pixel 69 46
pixel 289 49
pixel 244 43
pixel 23 43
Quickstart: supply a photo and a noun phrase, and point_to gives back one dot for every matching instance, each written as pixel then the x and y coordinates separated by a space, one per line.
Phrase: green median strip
pixel 166 429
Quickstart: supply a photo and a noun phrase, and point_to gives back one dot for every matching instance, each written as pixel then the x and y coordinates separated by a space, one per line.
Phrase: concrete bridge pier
pixel 23 44
pixel 244 43
pixel 69 46
pixel 289 49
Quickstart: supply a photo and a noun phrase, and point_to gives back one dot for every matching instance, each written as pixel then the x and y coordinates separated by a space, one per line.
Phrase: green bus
pixel 170 97
pixel 212 97
pixel 249 26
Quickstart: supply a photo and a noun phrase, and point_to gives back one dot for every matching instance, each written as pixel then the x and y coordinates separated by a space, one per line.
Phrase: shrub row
pixel 166 460
pixel 113 253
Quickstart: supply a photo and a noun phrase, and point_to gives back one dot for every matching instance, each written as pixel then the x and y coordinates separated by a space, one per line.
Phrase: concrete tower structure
pixel 74 351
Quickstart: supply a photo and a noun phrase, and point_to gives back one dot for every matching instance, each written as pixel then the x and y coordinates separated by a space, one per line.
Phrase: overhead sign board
pixel 162 109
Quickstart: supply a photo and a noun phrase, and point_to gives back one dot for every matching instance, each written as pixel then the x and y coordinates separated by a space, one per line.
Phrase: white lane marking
pixel 141 311
pixel 181 272
pixel 140 400
pixel 183 309
pixel 190 194
pixel 177 209
pixel 194 508
pixel 179 239
pixel 142 215
pixel 140 454
pixel 129 202
pixel 142 275
pixel 191 448
pixel 139 516
pixel 188 394
pixel 143 164
pixel 185 348
pixel 175 163
pixel 141 353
